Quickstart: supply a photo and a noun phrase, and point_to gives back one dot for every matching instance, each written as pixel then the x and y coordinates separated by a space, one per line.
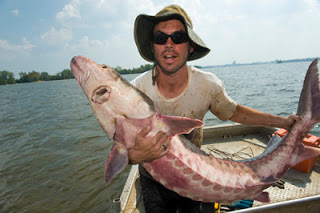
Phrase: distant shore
pixel 253 63
pixel 7 77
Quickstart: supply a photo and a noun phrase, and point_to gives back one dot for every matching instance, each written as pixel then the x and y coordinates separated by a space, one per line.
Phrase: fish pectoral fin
pixel 305 152
pixel 263 197
pixel 117 161
pixel 269 180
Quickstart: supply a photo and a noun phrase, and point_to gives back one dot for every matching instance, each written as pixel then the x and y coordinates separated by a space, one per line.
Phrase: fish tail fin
pixel 309 110
pixel 309 103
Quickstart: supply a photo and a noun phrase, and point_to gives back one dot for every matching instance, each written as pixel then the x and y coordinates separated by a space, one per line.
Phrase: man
pixel 168 40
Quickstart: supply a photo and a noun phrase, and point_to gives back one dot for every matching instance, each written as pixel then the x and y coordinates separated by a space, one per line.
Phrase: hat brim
pixel 142 35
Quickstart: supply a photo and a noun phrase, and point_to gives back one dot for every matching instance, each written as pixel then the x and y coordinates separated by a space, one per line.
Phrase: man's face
pixel 170 57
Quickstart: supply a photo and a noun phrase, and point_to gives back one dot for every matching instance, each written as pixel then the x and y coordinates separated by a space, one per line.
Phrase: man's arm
pixel 248 116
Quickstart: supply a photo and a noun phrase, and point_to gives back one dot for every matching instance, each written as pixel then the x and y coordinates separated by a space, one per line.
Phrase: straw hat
pixel 143 31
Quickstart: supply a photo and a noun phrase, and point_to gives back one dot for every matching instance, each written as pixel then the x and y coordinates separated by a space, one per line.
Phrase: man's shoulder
pixel 204 76
pixel 142 79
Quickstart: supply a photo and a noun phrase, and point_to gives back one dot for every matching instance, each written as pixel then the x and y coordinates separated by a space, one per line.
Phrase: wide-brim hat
pixel 144 25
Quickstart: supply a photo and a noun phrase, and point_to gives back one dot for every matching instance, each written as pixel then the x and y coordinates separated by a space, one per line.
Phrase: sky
pixel 43 35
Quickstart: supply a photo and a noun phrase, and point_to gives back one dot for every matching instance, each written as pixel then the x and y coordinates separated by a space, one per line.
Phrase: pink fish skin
pixel 123 111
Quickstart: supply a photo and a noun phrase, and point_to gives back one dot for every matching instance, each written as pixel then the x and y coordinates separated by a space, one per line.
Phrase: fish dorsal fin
pixel 273 143
pixel 174 125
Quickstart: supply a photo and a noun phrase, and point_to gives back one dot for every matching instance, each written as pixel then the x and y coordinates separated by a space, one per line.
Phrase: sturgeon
pixel 123 111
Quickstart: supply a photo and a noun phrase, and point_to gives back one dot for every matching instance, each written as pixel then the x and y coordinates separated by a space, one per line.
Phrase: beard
pixel 170 71
pixel 174 69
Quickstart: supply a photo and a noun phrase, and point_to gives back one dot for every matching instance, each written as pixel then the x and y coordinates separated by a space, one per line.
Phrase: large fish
pixel 123 111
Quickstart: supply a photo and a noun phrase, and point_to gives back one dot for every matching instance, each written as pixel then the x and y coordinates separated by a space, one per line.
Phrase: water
pixel 53 151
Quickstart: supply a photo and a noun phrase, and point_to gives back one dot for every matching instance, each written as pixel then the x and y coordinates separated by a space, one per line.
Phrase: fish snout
pixel 75 66
pixel 79 68
pixel 75 61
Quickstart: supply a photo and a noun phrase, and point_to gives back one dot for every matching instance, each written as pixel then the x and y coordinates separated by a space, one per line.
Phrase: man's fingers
pixel 144 132
pixel 164 147
pixel 164 142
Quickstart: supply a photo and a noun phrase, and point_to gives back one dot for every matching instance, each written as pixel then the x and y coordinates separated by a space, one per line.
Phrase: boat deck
pixel 240 142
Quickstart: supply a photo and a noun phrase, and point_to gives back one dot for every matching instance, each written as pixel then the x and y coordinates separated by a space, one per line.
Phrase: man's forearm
pixel 248 116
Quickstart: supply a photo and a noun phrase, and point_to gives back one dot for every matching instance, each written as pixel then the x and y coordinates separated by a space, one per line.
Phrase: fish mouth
pixel 81 75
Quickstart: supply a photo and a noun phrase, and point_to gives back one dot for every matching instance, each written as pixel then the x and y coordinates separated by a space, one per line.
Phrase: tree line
pixel 7 77
pixel 140 69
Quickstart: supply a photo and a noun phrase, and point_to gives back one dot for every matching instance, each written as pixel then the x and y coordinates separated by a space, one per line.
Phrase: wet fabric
pixel 204 92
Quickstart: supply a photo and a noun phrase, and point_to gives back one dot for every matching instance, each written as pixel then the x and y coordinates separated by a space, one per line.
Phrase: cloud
pixel 234 31
pixel 114 51
pixel 15 12
pixel 15 57
pixel 69 11
pixel 24 47
pixel 230 28
pixel 105 14
pixel 263 31
pixel 54 36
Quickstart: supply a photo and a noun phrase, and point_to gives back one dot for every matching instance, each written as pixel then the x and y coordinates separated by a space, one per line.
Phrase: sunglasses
pixel 177 38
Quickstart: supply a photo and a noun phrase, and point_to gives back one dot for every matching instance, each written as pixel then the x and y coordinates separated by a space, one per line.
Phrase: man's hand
pixel 149 149
pixel 291 120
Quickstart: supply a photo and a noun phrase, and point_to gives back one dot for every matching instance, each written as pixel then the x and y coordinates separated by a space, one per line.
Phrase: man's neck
pixel 171 86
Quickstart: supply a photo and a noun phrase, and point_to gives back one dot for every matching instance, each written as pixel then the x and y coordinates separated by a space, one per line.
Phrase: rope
pixel 232 156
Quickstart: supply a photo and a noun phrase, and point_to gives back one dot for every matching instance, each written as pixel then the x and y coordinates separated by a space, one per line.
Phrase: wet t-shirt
pixel 204 92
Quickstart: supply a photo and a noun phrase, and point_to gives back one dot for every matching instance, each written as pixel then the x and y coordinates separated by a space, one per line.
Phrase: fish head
pixel 110 96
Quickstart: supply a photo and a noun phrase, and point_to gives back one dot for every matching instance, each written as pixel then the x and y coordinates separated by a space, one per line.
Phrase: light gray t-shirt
pixel 204 92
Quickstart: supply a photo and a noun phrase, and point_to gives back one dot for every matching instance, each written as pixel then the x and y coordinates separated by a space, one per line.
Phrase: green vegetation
pixel 34 76
pixel 141 69
pixel 7 77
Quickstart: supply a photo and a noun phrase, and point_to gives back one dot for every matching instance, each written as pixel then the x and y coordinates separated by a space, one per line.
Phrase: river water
pixel 53 151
